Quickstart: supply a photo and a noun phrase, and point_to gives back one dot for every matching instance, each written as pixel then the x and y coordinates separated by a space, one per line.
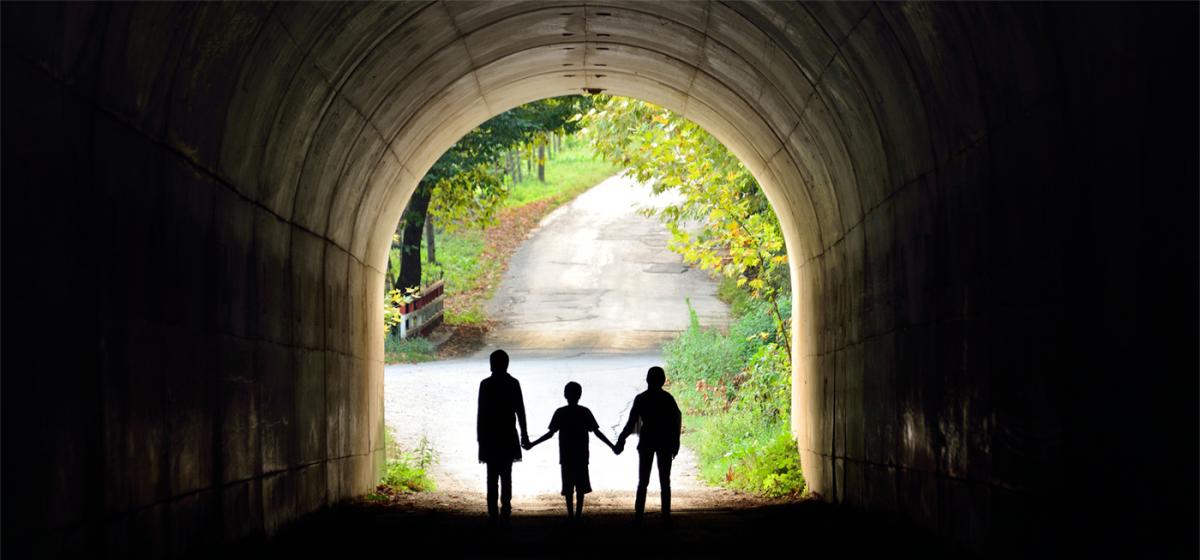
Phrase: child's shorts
pixel 575 479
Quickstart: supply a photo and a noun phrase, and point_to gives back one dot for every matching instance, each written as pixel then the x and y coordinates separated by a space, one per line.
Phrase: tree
pixel 739 235
pixel 465 187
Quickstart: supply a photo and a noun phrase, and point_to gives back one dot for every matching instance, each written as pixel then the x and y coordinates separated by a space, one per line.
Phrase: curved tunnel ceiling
pixel 409 80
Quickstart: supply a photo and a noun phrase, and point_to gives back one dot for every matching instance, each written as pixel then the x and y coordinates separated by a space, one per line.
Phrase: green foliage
pixel 407 350
pixel 405 471
pixel 392 301
pixel 575 169
pixel 473 315
pixel 458 260
pixel 743 452
pixel 459 250
pixel 740 236
pixel 703 362
pixel 735 388
pixel 735 391
pixel 469 198
pixel 466 188
pixel 467 181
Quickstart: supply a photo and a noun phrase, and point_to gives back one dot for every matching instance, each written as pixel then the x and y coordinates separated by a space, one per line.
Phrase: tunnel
pixel 989 209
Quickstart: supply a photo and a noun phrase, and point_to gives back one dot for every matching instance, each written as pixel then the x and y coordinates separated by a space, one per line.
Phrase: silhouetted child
pixel 573 422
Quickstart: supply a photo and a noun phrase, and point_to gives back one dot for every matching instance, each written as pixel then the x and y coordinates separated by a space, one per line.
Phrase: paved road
pixel 597 275
pixel 590 297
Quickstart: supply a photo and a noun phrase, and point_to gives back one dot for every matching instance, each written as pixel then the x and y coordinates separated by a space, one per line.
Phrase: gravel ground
pixel 437 400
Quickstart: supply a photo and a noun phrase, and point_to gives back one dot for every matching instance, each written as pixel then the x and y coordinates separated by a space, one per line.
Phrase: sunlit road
pixel 437 400
pixel 597 274
pixel 589 297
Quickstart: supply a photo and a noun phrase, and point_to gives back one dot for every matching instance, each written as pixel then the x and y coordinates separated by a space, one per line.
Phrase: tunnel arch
pixel 937 170
pixel 713 78
pixel 717 69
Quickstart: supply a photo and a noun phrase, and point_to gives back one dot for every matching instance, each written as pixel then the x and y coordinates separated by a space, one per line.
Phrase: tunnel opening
pixel 604 274
pixel 949 178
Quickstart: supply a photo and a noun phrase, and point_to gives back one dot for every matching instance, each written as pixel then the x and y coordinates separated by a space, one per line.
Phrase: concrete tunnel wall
pixel 977 199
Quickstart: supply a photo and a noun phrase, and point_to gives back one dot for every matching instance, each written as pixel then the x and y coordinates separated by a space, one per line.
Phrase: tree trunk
pixel 390 276
pixel 430 246
pixel 516 159
pixel 542 162
pixel 410 240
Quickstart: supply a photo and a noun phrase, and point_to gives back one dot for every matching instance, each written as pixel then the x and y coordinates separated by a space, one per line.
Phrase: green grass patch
pixel 458 266
pixel 407 350
pixel 735 392
pixel 573 170
pixel 746 452
pixel 404 471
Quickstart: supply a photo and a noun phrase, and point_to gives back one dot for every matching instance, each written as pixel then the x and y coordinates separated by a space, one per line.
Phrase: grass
pixel 404 471
pixel 735 392
pixel 407 350
pixel 458 266
pixel 468 259
pixel 572 171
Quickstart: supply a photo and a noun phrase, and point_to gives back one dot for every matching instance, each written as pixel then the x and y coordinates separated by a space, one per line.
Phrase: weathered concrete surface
pixel 990 212
pixel 597 275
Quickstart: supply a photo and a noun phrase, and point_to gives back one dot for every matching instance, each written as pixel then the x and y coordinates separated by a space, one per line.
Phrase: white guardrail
pixel 422 314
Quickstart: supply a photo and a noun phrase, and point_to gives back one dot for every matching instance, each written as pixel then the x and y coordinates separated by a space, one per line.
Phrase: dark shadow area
pixel 805 529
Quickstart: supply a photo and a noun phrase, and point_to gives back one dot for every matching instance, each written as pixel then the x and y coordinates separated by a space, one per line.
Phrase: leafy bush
pixel 405 471
pixel 704 362
pixel 735 391
pixel 775 469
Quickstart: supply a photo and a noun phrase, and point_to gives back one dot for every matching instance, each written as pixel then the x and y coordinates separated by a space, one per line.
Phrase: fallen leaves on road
pixel 512 227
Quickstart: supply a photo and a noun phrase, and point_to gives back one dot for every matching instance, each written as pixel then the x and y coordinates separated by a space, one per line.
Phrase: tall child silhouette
pixel 573 423
pixel 500 402
pixel 656 420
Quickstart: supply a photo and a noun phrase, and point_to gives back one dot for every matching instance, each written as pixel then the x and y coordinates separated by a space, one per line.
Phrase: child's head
pixel 499 361
pixel 572 392
pixel 656 377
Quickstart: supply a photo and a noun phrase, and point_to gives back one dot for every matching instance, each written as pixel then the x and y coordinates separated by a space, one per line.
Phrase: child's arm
pixel 630 425
pixel 548 435
pixel 600 435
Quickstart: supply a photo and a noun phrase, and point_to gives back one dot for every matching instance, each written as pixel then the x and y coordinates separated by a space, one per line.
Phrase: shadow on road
pixel 800 530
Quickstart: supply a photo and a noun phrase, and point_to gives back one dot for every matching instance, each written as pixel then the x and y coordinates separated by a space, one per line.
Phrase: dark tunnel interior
pixel 991 212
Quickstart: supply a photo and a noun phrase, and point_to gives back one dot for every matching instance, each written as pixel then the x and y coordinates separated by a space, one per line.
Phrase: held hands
pixel 619 447
pixel 525 442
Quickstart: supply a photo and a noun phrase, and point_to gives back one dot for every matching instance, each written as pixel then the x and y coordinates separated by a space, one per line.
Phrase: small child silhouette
pixel 573 422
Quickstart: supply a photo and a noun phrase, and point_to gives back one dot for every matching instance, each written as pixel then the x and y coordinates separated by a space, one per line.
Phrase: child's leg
pixel 578 503
pixel 567 488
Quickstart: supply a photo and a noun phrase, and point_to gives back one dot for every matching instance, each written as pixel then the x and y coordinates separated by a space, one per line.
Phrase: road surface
pixel 598 275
